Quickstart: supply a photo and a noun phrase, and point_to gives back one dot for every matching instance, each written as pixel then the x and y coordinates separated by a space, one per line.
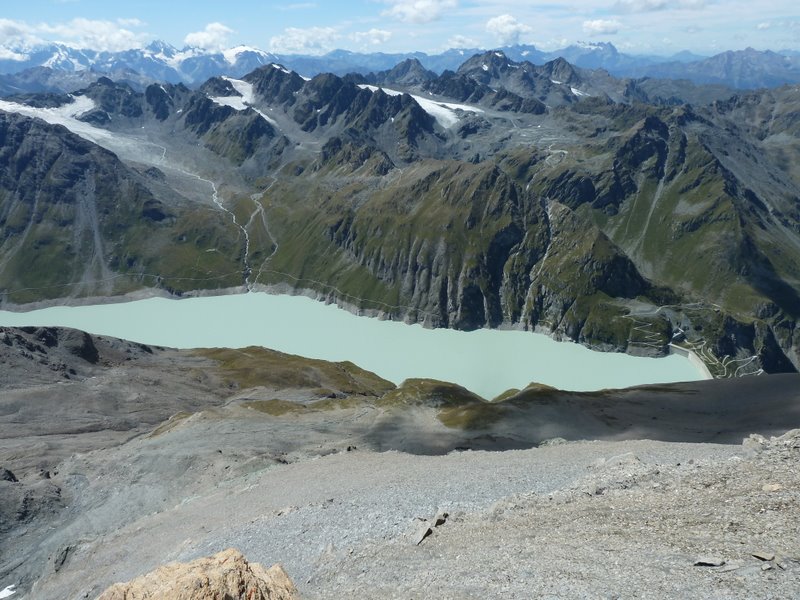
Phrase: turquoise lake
pixel 488 362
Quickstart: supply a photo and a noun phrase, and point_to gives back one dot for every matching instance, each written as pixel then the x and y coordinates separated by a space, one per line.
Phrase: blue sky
pixel 635 26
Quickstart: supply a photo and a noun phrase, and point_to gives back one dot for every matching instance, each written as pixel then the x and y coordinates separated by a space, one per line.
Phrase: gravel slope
pixel 101 485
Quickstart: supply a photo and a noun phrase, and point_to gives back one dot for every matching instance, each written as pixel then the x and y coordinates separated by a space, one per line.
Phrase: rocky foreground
pixel 119 458
pixel 225 575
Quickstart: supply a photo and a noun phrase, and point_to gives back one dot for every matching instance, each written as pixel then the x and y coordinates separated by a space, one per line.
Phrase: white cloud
pixel 213 37
pixel 7 54
pixel 314 40
pixel 418 11
pixel 462 41
pixel 110 36
pixel 601 27
pixel 374 37
pixel 507 29
pixel 12 31
pixel 762 26
pixel 656 5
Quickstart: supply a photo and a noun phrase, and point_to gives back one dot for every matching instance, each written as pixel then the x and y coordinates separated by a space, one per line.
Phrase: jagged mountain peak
pixel 560 70
pixel 160 47
pixel 487 66
pixel 597 47
pixel 410 71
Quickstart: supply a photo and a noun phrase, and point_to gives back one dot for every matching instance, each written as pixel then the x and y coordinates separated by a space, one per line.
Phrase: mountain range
pixel 58 67
pixel 503 193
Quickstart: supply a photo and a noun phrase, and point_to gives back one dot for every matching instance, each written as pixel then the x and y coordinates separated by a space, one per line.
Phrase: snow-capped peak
pixel 65 58
pixel 159 48
pixel 593 46
pixel 232 54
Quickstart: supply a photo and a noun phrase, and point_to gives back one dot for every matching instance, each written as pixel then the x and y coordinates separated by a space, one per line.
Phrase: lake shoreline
pixel 486 361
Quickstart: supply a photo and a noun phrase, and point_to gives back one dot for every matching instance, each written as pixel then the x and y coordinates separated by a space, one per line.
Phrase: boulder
pixel 225 575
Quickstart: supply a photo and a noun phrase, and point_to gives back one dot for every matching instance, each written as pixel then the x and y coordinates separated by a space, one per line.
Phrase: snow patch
pixel 577 92
pixel 179 57
pixel 557 82
pixel 235 102
pixel 232 54
pixel 499 54
pixel 485 67
pixel 281 68
pixel 62 58
pixel 243 101
pixel 8 592
pixel 444 112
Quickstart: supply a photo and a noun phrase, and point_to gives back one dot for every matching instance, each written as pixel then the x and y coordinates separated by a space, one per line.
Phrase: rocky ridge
pixel 227 575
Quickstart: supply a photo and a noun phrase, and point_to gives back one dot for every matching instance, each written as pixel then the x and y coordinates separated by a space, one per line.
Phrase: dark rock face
pixel 22 503
pixel 45 100
pixel 81 345
pixel 327 92
pixel 408 72
pixel 202 114
pixel 275 83
pixel 353 156
pixel 115 98
pixel 465 88
pixel 6 475
pixel 236 135
pixel 479 252
pixel 154 210
pixel 217 86
pixel 158 101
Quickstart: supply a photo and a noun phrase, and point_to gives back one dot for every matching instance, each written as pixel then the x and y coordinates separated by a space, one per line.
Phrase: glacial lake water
pixel 488 362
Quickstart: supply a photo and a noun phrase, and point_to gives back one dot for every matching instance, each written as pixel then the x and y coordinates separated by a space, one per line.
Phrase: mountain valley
pixel 508 189
pixel 503 194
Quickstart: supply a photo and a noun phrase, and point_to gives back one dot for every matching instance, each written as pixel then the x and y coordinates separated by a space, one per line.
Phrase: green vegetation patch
pixel 275 407
pixel 260 367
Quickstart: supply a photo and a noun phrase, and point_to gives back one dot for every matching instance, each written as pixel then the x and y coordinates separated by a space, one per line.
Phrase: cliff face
pixel 661 230
pixel 458 245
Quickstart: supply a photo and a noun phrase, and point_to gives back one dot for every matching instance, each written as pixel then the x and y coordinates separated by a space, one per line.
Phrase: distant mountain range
pixel 32 69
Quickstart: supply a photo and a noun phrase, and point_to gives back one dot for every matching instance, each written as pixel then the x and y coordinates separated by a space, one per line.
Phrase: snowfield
pixel 66 115
pixel 444 112
pixel 245 100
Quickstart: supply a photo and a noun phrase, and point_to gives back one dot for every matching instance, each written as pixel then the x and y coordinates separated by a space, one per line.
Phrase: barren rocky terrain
pixel 118 458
